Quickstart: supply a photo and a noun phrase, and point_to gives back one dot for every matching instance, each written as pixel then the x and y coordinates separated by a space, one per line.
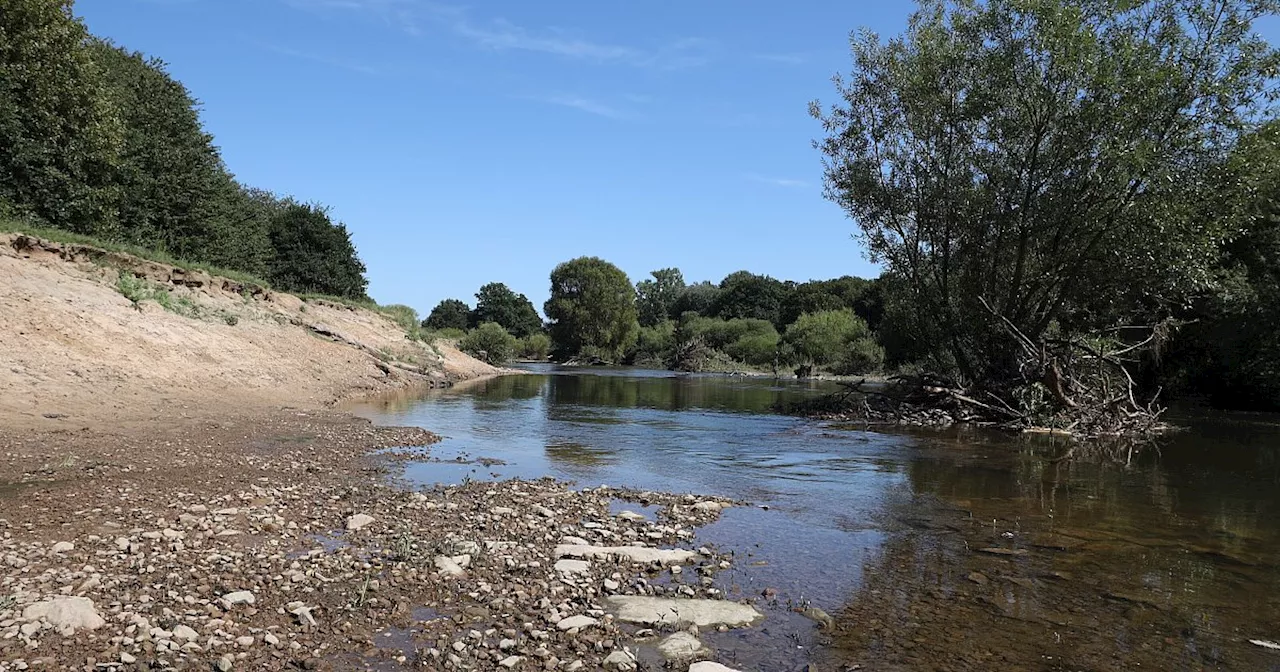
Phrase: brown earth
pixel 74 352
pixel 177 480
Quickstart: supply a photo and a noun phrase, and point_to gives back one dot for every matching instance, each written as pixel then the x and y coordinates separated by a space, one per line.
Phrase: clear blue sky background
pixel 469 143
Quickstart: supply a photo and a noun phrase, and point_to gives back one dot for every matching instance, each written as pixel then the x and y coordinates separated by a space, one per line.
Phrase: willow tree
pixel 1027 168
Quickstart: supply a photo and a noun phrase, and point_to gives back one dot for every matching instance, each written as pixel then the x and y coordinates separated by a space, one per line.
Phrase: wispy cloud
pixel 786 182
pixel 783 58
pixel 587 105
pixel 324 60
pixel 414 16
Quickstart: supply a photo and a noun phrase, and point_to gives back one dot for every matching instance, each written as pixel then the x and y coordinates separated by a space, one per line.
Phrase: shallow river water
pixel 948 550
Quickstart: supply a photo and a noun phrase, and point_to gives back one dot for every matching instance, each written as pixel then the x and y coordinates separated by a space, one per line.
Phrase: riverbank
pixel 277 541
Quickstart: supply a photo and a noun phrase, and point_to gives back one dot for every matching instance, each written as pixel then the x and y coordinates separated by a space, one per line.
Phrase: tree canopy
pixel 449 314
pixel 1037 161
pixel 744 295
pixel 495 302
pixel 313 253
pixel 592 309
pixel 656 298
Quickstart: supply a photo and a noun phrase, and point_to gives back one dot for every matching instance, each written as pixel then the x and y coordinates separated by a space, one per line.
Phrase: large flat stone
pixel 681 612
pixel 710 667
pixel 641 554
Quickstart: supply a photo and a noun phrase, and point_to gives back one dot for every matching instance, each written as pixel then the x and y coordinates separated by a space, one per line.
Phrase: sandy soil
pixel 74 352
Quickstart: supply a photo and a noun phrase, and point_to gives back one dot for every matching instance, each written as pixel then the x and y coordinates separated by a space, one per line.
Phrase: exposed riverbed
pixel 932 550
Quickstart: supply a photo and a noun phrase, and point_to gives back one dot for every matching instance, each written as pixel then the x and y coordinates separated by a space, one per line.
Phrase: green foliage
pixel 863 296
pixel 536 346
pixel 697 298
pixel 654 345
pixel 495 302
pixel 490 343
pixel 313 254
pixel 829 338
pixel 747 295
pixel 448 314
pixel 1045 156
pixel 592 305
pixel 60 135
pixel 405 317
pixel 861 355
pixel 656 298
pixel 447 333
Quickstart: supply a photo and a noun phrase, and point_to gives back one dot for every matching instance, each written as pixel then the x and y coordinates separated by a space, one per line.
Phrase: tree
pixel 175 193
pixel 313 254
pixel 59 133
pixel 699 298
pixel 1028 168
pixel 656 298
pixel 592 306
pixel 448 314
pixel 489 342
pixel 830 338
pixel 495 302
pixel 746 295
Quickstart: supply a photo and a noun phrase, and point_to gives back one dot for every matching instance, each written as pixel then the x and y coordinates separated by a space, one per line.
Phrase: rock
pixel 572 567
pixel 507 644
pixel 707 666
pixel 225 663
pixel 631 515
pixel 818 616
pixel 681 648
pixel 713 507
pixel 67 614
pixel 502 511
pixel 978 578
pixel 510 661
pixel 641 554
pixel 185 633
pixel 358 521
pixel 63 547
pixel 1266 644
pixel 681 612
pixel 244 641
pixel 271 639
pixel 610 584
pixel 127 659
pixel 576 622
pixel 447 566
pixel 238 597
pixel 620 660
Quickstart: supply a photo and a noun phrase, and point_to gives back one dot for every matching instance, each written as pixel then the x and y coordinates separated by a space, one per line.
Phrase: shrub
pixel 824 338
pixel 755 349
pixel 654 345
pixel 489 342
pixel 535 346
pixel 861 355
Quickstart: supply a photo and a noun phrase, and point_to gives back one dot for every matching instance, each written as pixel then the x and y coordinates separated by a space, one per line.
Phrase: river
pixel 947 550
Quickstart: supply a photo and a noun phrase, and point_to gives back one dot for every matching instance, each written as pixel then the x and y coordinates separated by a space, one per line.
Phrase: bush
pixel 755 349
pixel 826 338
pixel 861 355
pixel 654 345
pixel 535 346
pixel 490 343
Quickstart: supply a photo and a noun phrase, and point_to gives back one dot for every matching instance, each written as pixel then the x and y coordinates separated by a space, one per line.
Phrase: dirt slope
pixel 74 351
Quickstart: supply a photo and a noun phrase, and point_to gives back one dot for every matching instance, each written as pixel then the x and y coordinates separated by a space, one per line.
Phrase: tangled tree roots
pixel 1079 386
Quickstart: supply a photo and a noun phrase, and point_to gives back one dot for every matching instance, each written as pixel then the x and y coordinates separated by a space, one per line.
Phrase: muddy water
pixel 933 550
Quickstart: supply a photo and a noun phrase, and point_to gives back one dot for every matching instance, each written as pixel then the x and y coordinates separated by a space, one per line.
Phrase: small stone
pixel 576 622
pixel 620 660
pixel 185 633
pixel 510 661
pixel 226 663
pixel 244 641
pixel 271 639
pixel 63 547
pixel 358 521
pixel 572 567
pixel 239 597
pixel 507 644
pixel 127 659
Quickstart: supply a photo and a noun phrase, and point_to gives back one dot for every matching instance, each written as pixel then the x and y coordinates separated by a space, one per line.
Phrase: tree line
pixel 102 141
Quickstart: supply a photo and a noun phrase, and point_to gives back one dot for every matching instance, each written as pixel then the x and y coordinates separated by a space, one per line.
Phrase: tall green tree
pixel 1042 156
pixel 60 135
pixel 700 298
pixel 175 193
pixel 592 309
pixel 746 295
pixel 449 314
pixel 656 298
pixel 314 254
pixel 495 302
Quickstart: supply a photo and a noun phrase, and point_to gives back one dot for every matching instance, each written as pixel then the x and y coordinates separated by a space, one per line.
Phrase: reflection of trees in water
pixel 579 460
pixel 1165 562
pixel 671 393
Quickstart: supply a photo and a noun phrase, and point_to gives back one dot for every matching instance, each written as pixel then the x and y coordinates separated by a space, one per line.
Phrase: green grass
pixel 158 256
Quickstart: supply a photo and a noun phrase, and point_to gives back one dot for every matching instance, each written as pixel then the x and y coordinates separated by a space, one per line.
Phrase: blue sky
pixel 469 143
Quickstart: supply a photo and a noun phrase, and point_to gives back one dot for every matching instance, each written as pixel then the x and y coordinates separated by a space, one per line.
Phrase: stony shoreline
pixel 281 541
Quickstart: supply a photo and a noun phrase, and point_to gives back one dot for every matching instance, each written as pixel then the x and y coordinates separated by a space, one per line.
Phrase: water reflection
pixel 1164 559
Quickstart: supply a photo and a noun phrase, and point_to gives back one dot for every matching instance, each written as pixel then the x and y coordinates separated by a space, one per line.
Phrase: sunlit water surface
pixel 1163 556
